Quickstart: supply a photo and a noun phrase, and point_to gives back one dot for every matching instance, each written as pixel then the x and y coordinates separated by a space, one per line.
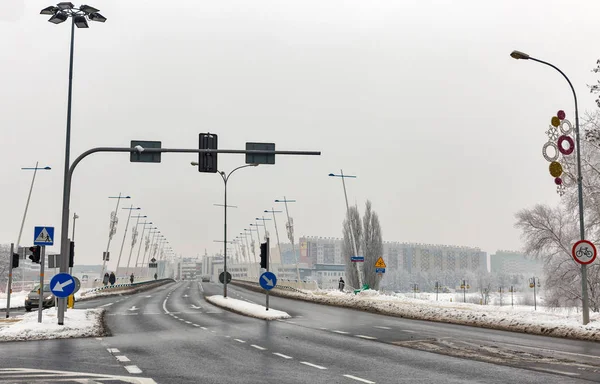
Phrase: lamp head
pixel 519 55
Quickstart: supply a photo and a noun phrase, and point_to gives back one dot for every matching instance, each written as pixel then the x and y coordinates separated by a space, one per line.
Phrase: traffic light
pixel 264 257
pixel 207 162
pixel 71 254
pixel 15 260
pixel 36 251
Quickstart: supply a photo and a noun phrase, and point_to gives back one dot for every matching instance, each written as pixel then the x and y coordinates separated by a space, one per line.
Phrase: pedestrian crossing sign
pixel 380 263
pixel 43 236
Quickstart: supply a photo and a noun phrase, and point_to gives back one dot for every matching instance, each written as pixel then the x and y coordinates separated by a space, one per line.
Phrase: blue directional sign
pixel 268 280
pixel 62 285
pixel 379 270
pixel 357 259
pixel 43 236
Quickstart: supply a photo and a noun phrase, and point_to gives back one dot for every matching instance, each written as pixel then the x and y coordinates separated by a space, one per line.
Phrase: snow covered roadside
pixel 524 319
pixel 78 323
pixel 17 300
pixel 246 308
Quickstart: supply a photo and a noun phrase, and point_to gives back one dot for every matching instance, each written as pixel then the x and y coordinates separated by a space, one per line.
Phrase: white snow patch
pixel 245 308
pixel 78 323
pixel 17 299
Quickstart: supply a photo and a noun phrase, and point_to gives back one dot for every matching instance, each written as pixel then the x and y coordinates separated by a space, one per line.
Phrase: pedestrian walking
pixel 341 284
pixel 105 279
pixel 112 278
pixel 131 278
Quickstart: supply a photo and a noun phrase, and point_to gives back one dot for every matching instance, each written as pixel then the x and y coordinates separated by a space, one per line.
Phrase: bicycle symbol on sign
pixel 584 252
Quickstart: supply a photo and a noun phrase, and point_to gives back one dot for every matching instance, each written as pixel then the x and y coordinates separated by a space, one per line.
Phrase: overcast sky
pixel 419 99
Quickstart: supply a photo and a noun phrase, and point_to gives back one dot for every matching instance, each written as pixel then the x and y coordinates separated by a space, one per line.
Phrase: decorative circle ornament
pixel 545 151
pixel 556 169
pixel 571 147
pixel 560 189
pixel 561 114
pixel 566 131
pixel 555 121
pixel 552 133
pixel 568 179
pixel 558 181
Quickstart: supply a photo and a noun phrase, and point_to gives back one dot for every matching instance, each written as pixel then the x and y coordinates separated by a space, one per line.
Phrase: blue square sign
pixel 43 236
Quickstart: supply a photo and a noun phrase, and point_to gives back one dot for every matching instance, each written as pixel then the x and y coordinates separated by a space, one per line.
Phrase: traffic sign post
pixel 584 252
pixel 10 272
pixel 41 291
pixel 379 270
pixel 221 277
pixel 62 285
pixel 43 236
pixel 357 259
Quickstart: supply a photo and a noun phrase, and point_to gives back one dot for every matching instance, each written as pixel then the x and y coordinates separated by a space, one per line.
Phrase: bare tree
pixel 372 245
pixel 352 217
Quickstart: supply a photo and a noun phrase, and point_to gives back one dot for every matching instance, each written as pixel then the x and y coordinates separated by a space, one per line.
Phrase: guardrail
pixel 256 286
pixel 122 286
pixel 286 283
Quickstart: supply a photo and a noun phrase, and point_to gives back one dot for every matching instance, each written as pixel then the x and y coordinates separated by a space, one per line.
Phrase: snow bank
pixel 246 308
pixel 518 319
pixel 78 323
pixel 17 300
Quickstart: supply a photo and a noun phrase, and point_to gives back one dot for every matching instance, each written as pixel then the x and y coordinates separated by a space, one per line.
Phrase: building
pixel 320 250
pixel 514 263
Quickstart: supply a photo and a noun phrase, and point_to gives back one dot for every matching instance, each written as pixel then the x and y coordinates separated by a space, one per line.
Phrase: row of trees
pixel 369 243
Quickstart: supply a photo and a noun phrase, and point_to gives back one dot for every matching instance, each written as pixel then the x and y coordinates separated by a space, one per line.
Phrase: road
pixel 171 334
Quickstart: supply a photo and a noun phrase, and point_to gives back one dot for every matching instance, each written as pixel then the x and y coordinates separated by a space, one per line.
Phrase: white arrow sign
pixel 59 286
pixel 133 308
pixel 195 307
pixel 269 281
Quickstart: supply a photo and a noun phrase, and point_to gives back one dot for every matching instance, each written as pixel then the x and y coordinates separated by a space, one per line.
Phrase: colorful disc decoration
pixel 562 143
pixel 555 169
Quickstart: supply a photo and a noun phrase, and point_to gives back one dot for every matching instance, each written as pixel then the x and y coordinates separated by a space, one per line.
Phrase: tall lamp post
pixel 58 14
pixel 290 232
pixel 112 229
pixel 134 235
pixel 276 231
pixel 584 291
pixel 225 178
pixel 354 246
pixel 137 259
pixel 125 234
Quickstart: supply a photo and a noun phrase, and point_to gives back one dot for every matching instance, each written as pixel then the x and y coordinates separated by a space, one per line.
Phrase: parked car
pixel 205 279
pixel 33 297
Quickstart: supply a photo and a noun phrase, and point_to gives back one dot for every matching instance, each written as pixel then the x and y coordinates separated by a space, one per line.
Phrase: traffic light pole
pixel 268 263
pixel 10 273
pixel 41 293
pixel 64 233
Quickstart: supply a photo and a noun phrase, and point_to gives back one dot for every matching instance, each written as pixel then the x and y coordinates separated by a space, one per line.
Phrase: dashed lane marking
pixel 107 305
pixel 381 327
pixel 133 369
pixel 312 365
pixel 257 347
pixel 408 331
pixel 188 322
pixel 341 332
pixel 239 341
pixel 204 328
pixel 366 337
pixel 195 325
pixel 359 379
pixel 555 371
pixel 122 359
pixel 282 355
pixel 113 350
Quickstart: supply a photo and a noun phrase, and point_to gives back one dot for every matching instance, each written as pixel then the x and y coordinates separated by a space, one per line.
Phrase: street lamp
pixel 225 178
pixel 354 245
pixel 134 234
pixel 34 169
pixel 246 230
pixel 137 259
pixel 114 219
pixel 148 246
pixel 584 291
pixel 290 232
pixel 125 235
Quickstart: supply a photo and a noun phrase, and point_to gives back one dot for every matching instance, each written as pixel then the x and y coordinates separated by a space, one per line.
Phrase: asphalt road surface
pixel 171 334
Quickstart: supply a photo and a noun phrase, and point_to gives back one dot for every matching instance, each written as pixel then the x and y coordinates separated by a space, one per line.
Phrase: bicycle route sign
pixel 584 252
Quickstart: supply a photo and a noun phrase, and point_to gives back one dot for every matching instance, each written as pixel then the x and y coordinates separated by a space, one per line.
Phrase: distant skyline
pixel 420 100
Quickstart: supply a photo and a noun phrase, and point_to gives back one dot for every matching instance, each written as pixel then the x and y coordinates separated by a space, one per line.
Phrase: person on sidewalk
pixel 341 284
pixel 131 278
pixel 105 279
pixel 112 278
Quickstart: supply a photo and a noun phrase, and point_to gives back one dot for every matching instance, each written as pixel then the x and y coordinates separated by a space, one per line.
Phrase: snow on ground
pixel 17 299
pixel 543 321
pixel 246 308
pixel 78 323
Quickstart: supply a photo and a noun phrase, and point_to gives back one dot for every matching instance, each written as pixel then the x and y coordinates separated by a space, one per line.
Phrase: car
pixel 32 298
pixel 205 279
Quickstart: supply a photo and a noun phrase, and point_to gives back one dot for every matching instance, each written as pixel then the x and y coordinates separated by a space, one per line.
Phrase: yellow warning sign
pixel 380 263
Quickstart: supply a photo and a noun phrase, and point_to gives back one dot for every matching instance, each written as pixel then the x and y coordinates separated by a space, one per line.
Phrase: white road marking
pixel 180 319
pixel 324 329
pixel 204 328
pixel 554 371
pixel 366 337
pixel 408 331
pixel 188 322
pixel 359 379
pixel 239 341
pixel 342 332
pixel 107 305
pixel 133 369
pixel 380 327
pixel 257 347
pixel 282 355
pixel 165 305
pixel 149 296
pixel 122 359
pixel 99 338
pixel 552 350
pixel 113 350
pixel 195 325
pixel 312 365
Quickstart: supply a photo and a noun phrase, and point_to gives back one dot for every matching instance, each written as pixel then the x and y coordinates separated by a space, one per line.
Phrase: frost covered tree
pixel 549 232
pixel 351 223
pixel 372 245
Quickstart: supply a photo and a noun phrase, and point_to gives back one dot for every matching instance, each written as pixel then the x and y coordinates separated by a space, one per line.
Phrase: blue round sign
pixel 268 280
pixel 62 285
